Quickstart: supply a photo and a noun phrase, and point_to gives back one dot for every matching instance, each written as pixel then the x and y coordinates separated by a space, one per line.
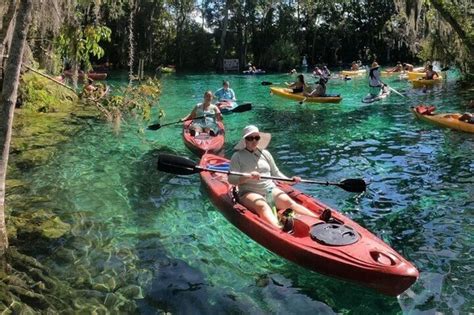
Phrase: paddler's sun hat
pixel 374 65
pixel 250 129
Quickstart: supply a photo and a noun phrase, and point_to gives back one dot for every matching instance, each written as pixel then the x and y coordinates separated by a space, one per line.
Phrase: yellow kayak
pixel 287 93
pixel 414 75
pixel 387 73
pixel 449 120
pixel 354 73
pixel 423 82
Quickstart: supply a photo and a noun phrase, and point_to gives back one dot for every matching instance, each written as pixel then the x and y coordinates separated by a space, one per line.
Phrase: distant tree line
pixel 274 35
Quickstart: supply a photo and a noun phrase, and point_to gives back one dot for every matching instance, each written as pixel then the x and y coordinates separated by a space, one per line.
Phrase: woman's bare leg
pixel 257 203
pixel 283 201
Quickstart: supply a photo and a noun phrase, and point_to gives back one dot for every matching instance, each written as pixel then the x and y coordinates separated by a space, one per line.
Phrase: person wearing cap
pixel 375 83
pixel 207 124
pixel 255 193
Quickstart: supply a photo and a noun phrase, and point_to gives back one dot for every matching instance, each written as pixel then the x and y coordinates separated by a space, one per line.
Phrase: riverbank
pixel 50 116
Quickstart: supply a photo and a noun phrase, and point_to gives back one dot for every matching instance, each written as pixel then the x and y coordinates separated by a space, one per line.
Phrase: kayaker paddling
pixel 407 67
pixel 225 95
pixel 377 87
pixel 397 68
pixel 207 124
pixel 256 194
pixel 467 117
pixel 318 90
pixel 299 86
pixel 430 73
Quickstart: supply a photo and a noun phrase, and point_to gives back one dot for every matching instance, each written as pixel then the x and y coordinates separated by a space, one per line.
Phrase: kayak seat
pixel 334 234
pixel 302 225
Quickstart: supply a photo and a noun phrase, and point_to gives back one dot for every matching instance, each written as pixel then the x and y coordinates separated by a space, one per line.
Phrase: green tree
pixel 8 101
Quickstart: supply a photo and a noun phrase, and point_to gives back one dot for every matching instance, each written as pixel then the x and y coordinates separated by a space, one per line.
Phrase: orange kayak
pixel 448 120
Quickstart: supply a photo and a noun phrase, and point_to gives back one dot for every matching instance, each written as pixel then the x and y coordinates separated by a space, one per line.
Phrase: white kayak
pixel 371 98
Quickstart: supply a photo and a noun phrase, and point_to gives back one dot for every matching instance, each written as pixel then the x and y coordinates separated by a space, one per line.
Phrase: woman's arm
pixel 218 113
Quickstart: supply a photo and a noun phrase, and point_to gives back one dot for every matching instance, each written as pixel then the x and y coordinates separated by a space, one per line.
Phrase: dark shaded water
pixel 134 225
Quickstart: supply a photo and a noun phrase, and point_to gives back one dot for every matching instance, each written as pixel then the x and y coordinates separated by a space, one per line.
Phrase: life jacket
pixel 425 110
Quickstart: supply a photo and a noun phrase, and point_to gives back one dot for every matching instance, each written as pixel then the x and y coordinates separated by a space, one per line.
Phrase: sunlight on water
pixel 136 226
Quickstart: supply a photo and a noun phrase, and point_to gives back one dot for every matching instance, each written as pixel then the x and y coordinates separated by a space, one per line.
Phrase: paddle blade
pixel 242 108
pixel 445 69
pixel 154 127
pixel 176 165
pixel 266 83
pixel 355 185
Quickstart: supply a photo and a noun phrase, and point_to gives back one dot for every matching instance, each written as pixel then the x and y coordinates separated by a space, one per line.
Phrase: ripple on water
pixel 159 232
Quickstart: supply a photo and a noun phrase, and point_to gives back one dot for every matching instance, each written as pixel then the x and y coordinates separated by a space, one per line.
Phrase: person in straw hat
pixel 375 83
pixel 259 195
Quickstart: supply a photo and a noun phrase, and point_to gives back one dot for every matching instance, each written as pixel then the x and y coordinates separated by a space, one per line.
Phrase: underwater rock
pixel 131 292
pixel 42 223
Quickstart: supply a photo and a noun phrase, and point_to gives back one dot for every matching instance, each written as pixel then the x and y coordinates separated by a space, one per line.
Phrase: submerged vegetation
pixel 48 116
pixel 192 35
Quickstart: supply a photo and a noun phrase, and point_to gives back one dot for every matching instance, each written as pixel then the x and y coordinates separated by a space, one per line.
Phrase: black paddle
pixel 182 166
pixel 268 83
pixel 158 126
pixel 239 109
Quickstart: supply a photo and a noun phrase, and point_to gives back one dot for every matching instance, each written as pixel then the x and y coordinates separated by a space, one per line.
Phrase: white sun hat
pixel 250 129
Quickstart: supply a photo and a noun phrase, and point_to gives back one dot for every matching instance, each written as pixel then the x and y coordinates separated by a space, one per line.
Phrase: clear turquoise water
pixel 135 225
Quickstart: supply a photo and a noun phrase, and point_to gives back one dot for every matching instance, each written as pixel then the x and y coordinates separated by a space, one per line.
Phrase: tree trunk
pixel 225 21
pixel 8 101
pixel 7 21
pixel 6 32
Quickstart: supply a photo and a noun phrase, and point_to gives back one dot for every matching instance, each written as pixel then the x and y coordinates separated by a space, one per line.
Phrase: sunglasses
pixel 250 138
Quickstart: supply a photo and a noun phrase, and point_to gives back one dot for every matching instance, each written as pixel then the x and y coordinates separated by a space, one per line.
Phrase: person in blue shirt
pixel 225 93
pixel 225 96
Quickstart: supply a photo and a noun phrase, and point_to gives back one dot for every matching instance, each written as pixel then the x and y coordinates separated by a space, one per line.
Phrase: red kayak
pixel 336 247
pixel 204 142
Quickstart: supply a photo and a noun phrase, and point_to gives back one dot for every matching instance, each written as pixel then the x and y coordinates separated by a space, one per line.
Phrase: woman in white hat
pixel 375 83
pixel 255 193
